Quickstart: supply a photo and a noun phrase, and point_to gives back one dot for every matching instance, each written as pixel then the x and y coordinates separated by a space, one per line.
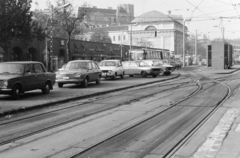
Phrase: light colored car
pixel 166 68
pixel 79 72
pixel 169 64
pixel 111 69
pixel 140 68
pixel 63 67
pixel 19 77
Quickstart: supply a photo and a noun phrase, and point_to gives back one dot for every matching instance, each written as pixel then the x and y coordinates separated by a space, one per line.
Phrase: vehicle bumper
pixel 5 91
pixel 154 73
pixel 106 75
pixel 69 80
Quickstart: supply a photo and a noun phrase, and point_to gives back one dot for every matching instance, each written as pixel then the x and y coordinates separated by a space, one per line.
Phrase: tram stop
pixel 219 55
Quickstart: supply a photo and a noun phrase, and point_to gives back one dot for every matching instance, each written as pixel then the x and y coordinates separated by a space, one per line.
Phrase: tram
pixel 149 53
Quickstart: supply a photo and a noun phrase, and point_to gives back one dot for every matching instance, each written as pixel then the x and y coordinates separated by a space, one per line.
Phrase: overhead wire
pixel 199 9
pixel 196 8
pixel 234 8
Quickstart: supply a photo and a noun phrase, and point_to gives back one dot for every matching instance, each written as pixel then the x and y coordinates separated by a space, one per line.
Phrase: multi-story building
pixel 162 31
pixel 106 17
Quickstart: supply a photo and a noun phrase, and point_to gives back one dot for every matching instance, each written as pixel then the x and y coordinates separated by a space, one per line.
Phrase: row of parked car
pixel 19 77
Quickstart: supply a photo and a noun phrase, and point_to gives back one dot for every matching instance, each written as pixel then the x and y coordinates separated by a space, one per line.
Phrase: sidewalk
pixel 224 140
pixel 210 70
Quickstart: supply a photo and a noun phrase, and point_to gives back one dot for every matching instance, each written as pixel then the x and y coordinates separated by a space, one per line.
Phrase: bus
pixel 148 53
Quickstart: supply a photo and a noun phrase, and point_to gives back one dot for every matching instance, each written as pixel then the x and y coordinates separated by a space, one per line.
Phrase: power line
pixel 234 7
pixel 223 2
pixel 198 9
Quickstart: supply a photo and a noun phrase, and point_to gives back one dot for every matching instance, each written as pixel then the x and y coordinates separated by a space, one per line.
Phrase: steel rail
pixel 75 118
pixel 187 137
pixel 138 123
pixel 11 112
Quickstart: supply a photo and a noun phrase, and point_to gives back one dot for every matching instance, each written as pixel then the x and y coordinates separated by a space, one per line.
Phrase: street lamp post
pixel 184 40
pixel 131 39
pixel 46 51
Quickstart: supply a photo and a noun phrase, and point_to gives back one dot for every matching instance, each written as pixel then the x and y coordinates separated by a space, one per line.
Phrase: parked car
pixel 178 64
pixel 140 68
pixel 19 77
pixel 63 67
pixel 167 65
pixel 165 69
pixel 79 72
pixel 111 69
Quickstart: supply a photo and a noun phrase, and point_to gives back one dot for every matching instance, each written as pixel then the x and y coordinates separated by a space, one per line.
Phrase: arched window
pixel 151 28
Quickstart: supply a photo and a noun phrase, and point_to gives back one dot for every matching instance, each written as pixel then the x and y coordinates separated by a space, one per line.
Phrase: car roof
pixel 81 61
pixel 21 62
pixel 110 60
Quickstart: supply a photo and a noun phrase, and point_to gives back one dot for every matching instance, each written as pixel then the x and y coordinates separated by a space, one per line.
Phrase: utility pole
pixel 196 48
pixel 184 40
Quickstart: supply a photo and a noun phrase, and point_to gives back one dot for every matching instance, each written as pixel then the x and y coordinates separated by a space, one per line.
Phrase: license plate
pixel 104 74
pixel 66 78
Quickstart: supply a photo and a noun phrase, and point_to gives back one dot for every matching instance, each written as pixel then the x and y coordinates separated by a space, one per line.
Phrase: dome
pixel 151 16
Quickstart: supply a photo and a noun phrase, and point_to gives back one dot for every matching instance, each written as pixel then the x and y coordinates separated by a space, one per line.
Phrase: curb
pixel 23 109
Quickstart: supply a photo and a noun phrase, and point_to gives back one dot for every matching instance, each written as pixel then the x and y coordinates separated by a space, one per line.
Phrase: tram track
pixel 75 98
pixel 199 90
pixel 170 152
pixel 5 139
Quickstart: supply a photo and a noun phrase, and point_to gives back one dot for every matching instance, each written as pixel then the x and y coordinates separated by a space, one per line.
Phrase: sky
pixel 214 18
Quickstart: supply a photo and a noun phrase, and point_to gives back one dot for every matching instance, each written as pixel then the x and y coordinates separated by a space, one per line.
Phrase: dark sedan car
pixel 18 77
pixel 79 72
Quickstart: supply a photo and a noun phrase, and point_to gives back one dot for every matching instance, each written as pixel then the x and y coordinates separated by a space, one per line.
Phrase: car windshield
pixel 142 64
pixel 77 65
pixel 157 63
pixel 9 68
pixel 149 62
pixel 108 63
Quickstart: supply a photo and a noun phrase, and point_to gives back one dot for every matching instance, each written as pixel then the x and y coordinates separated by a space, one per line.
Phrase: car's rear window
pixel 11 68
pixel 108 63
pixel 77 65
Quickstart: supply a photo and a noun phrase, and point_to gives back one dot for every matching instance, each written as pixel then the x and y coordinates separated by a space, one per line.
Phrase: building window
pixel 119 38
pixel 124 37
pixel 113 38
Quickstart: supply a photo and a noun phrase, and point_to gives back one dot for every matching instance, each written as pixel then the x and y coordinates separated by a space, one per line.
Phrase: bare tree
pixel 68 21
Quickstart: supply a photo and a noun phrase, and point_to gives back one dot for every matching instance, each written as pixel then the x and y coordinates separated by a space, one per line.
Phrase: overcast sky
pixel 205 15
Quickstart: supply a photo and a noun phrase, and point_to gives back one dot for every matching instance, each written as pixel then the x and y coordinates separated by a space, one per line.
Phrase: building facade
pixel 160 30
pixel 100 17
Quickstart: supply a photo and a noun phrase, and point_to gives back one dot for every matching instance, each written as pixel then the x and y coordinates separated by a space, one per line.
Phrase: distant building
pixel 100 17
pixel 163 31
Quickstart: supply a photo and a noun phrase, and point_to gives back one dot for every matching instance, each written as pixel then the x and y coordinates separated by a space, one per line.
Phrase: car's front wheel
pixel 16 92
pixel 98 80
pixel 85 83
pixel 144 74
pixel 114 76
pixel 46 88
pixel 122 75
pixel 60 85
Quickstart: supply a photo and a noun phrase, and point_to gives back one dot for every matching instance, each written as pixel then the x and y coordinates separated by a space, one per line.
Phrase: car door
pixel 126 67
pixel 96 70
pixel 133 68
pixel 40 74
pixel 90 72
pixel 119 68
pixel 30 77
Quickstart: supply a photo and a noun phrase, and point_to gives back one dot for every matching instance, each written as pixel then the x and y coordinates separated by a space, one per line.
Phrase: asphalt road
pixel 36 98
